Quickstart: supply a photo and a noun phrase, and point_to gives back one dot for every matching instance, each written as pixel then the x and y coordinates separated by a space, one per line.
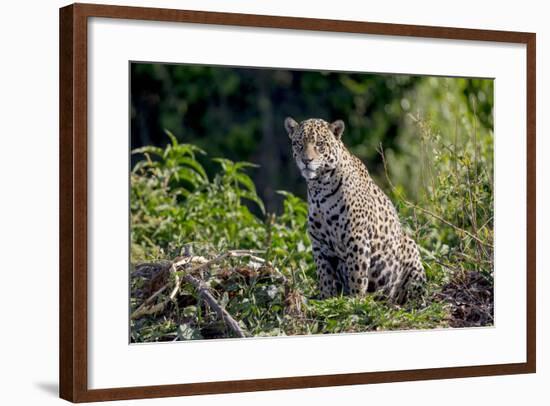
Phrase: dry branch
pixel 203 291
pixel 176 267
pixel 144 308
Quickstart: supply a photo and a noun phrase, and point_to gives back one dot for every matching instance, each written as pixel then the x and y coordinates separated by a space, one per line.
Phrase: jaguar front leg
pixel 358 261
pixel 327 272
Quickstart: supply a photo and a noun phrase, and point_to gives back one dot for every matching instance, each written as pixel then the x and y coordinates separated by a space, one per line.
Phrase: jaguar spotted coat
pixel 358 243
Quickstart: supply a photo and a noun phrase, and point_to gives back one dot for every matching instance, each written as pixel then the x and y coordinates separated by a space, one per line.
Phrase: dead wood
pixel 182 272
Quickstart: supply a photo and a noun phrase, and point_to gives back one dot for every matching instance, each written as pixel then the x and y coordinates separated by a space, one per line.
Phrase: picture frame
pixel 76 168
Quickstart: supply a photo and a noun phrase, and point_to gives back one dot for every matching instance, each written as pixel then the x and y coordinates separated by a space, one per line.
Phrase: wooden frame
pixel 73 361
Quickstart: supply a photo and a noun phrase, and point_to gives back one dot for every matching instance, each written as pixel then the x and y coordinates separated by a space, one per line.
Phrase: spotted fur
pixel 358 243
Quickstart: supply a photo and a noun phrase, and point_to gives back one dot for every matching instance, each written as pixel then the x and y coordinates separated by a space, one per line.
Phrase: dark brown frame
pixel 73 201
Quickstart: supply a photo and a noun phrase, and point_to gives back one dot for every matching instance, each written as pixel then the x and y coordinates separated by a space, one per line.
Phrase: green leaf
pixel 172 137
pixel 148 149
pixel 194 165
pixel 245 180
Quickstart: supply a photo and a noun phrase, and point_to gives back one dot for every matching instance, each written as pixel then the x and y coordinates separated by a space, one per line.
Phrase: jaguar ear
pixel 337 128
pixel 290 126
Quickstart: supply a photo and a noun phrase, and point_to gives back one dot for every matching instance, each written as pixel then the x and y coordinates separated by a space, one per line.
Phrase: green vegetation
pixel 176 207
pixel 436 166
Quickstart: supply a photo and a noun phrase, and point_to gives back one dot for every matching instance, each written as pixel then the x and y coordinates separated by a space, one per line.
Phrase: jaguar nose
pixel 306 161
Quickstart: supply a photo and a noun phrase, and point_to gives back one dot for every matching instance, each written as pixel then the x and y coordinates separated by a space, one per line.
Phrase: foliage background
pixel 428 141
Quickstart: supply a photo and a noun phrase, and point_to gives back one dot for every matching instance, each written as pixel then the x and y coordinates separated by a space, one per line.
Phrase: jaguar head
pixel 316 145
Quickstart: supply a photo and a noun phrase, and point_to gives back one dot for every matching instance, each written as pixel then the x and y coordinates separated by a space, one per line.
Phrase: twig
pixel 470 258
pixel 434 215
pixel 201 288
pixel 197 268
pixel 203 291
pixel 143 309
